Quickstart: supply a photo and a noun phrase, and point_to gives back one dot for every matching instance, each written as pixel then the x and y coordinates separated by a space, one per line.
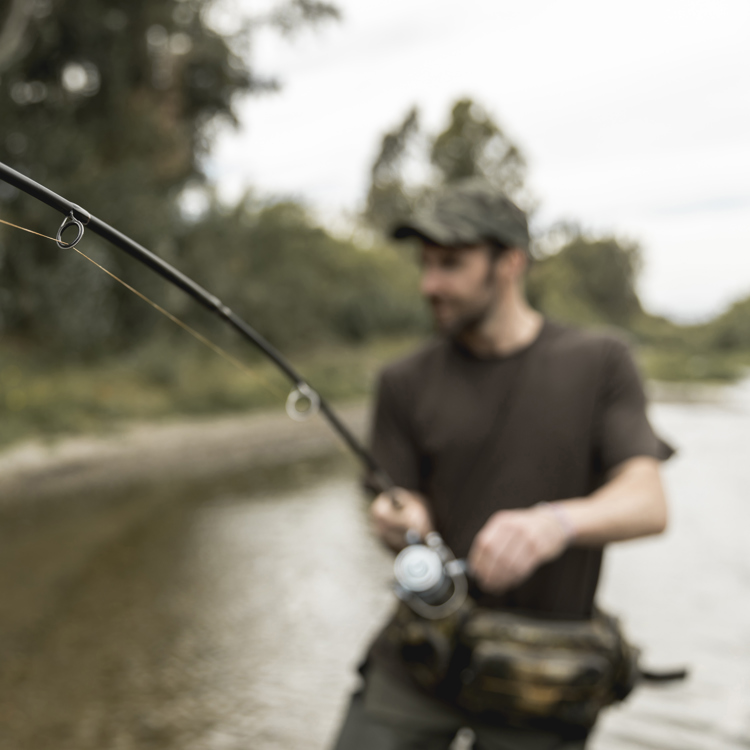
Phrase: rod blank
pixel 377 476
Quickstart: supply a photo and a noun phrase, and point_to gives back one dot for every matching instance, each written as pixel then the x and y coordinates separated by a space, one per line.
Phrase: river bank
pixel 146 456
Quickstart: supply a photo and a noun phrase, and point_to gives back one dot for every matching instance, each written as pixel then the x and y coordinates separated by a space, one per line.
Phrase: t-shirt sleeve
pixel 392 441
pixel 624 428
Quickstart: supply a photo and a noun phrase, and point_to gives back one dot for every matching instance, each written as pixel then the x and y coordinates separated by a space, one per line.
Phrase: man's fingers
pixel 516 566
pixel 505 551
pixel 491 550
pixel 395 500
pixel 501 568
pixel 392 519
pixel 382 510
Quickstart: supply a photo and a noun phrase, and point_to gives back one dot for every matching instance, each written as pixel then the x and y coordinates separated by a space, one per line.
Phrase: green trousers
pixel 388 715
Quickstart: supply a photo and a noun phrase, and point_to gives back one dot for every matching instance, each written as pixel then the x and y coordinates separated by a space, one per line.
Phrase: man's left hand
pixel 514 543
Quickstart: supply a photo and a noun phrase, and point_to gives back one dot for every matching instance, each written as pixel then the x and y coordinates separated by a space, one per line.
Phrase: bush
pixel 298 285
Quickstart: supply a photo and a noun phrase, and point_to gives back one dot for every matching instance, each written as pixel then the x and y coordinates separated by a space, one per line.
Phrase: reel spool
pixel 429 579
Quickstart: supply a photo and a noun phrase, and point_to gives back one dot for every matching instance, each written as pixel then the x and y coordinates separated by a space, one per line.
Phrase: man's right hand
pixel 395 512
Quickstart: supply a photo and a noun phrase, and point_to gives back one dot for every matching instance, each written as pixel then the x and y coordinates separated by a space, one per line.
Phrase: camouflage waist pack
pixel 529 671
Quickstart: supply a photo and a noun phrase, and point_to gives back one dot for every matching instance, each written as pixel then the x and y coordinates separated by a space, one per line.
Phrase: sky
pixel 634 118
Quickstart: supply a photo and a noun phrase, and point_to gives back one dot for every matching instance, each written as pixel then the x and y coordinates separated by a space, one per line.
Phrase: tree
pixel 112 104
pixel 730 331
pixel 472 145
pixel 589 281
pixel 388 198
pixel 295 282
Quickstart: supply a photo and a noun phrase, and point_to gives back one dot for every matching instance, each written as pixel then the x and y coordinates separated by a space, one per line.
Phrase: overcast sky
pixel 634 118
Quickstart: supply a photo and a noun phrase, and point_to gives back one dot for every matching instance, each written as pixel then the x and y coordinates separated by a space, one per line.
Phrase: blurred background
pixel 179 564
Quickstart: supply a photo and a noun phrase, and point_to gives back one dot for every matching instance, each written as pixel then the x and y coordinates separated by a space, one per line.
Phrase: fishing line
pixel 195 334
pixel 30 231
pixel 302 402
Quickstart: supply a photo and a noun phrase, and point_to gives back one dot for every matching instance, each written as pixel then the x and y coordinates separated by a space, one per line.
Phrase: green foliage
pixel 296 283
pixel 110 103
pixel 472 145
pixel 290 15
pixel 130 93
pixel 589 281
pixel 730 331
pixel 169 375
pixel 388 198
pixel 680 363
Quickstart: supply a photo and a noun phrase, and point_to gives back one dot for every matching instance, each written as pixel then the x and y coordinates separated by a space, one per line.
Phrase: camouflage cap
pixel 468 213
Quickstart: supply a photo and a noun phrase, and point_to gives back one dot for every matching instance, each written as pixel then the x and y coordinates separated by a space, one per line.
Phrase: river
pixel 233 619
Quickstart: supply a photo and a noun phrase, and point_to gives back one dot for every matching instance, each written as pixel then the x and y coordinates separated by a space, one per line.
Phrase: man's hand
pixel 514 543
pixel 393 513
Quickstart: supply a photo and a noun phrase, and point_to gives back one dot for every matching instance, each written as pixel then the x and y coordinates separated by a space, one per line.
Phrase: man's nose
pixel 430 282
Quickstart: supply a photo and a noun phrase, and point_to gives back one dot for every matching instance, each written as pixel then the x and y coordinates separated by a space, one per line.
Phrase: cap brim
pixel 406 231
pixel 429 231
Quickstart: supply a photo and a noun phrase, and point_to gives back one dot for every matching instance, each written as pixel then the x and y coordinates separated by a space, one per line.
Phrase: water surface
pixel 234 618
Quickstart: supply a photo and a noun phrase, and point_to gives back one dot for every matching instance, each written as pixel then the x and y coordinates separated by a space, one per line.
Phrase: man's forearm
pixel 514 543
pixel 630 505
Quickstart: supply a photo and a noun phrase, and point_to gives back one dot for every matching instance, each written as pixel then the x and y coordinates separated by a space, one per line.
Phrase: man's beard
pixel 463 324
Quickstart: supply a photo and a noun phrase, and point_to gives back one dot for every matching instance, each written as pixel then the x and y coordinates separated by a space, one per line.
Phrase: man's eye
pixel 450 263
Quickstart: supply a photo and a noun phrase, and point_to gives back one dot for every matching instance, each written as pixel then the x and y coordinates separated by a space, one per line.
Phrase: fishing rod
pixel 428 577
pixel 79 219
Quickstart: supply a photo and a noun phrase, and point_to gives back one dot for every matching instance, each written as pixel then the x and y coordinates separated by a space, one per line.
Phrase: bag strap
pixel 668 675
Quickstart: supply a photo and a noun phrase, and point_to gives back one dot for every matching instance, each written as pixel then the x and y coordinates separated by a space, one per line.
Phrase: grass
pixel 44 399
pixel 686 366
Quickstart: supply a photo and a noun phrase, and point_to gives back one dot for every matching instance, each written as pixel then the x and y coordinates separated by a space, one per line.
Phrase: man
pixel 525 444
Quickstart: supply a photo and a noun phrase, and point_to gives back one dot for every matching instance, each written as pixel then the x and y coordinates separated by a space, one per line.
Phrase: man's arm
pixel 514 543
pixel 630 505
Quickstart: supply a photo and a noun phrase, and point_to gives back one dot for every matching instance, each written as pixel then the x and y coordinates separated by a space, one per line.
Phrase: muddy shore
pixel 148 456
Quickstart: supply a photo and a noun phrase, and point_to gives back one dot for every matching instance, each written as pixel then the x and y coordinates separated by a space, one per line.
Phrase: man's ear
pixel 512 264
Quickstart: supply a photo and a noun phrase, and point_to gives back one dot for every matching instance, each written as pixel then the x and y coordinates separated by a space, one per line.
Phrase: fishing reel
pixel 429 579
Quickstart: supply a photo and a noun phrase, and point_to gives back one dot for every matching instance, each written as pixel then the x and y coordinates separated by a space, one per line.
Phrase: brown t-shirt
pixel 480 435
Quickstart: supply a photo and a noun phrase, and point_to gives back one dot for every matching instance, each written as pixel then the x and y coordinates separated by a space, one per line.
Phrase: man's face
pixel 459 285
